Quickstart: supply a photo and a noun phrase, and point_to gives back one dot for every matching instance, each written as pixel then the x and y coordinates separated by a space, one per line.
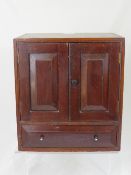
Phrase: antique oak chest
pixel 69 91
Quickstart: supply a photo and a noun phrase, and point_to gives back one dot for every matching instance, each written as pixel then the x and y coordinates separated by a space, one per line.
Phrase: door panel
pixel 95 66
pixel 44 81
pixel 94 82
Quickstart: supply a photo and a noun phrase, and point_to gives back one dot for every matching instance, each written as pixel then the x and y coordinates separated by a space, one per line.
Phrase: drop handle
pixel 74 82
pixel 96 138
pixel 41 138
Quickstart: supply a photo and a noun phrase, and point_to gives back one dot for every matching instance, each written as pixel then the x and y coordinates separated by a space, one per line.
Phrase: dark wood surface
pixel 69 35
pixel 76 37
pixel 68 136
pixel 96 67
pixel 44 81
pixel 44 94
pixel 69 92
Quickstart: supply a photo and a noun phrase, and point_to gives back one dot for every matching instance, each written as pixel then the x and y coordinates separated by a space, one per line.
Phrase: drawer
pixel 48 136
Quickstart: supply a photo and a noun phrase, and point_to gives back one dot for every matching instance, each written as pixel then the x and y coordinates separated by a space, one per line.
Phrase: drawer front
pixel 41 136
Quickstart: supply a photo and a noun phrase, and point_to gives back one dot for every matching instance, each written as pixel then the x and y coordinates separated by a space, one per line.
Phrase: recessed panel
pixel 44 81
pixel 94 82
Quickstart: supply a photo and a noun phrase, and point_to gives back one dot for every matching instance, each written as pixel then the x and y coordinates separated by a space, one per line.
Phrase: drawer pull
pixel 41 138
pixel 95 138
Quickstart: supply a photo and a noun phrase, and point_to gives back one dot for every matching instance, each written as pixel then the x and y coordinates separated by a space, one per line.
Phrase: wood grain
pixel 68 136
pixel 44 81
pixel 97 110
pixel 31 93
pixel 69 115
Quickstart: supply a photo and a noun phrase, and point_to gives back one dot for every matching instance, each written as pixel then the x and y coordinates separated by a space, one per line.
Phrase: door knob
pixel 95 138
pixel 41 138
pixel 74 82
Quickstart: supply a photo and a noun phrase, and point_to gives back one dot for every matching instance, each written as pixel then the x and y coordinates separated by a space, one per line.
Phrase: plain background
pixel 65 16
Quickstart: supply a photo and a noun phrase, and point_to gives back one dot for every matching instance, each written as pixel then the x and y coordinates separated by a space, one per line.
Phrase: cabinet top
pixel 67 37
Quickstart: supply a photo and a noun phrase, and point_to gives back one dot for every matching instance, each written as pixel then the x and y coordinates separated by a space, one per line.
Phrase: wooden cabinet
pixel 69 91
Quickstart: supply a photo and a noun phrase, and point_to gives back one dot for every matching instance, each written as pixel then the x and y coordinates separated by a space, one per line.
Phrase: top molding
pixel 66 37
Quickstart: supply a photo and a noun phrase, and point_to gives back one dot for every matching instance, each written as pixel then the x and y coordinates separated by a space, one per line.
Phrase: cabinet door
pixel 95 77
pixel 43 73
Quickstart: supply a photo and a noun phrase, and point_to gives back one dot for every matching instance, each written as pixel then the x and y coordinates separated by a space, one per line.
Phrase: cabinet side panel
pixel 16 73
pixel 122 60
pixel 17 91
